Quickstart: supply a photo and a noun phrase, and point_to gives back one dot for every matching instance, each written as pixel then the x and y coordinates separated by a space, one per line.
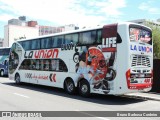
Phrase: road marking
pixel 102 118
pixel 21 95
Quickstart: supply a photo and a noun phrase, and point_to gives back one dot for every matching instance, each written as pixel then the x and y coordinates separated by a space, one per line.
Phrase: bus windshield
pixel 140 35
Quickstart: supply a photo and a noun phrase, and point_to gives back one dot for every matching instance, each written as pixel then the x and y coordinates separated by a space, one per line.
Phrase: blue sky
pixel 79 12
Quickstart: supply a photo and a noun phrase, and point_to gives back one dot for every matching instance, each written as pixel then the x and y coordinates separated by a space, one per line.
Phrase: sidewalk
pixel 145 95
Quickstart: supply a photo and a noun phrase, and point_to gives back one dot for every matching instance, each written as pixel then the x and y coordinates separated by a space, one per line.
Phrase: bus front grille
pixel 140 60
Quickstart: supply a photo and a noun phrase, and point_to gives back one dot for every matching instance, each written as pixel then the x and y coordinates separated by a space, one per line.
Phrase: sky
pixel 79 12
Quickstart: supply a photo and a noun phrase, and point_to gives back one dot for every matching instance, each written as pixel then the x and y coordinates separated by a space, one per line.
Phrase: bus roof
pixel 79 30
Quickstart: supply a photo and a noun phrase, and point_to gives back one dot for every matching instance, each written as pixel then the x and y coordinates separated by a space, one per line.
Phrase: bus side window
pixel 46 65
pixel 99 36
pixel 53 68
pixel 32 65
pixel 71 38
pixel 57 41
pixel 35 44
pixel 25 64
pixel 93 37
pixel 37 64
pixel 54 65
pixel 46 43
pixel 41 65
pixel 60 40
pixel 68 39
pixel 26 45
pixel 62 66
pixel 88 37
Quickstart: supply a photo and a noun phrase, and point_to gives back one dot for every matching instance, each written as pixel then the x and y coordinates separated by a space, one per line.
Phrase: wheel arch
pixel 15 75
pixel 67 78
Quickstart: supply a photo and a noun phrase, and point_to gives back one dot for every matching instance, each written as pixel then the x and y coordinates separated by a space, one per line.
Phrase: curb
pixel 145 97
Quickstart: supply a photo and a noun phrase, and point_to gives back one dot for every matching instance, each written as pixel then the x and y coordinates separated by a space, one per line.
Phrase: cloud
pixel 6 17
pixel 61 12
pixel 149 7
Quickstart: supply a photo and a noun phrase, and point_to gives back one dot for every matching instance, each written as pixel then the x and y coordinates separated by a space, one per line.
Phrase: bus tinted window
pixel 25 64
pixel 71 38
pixel 99 36
pixel 46 43
pixel 35 44
pixel 44 65
pixel 26 45
pixel 87 37
pixel 57 41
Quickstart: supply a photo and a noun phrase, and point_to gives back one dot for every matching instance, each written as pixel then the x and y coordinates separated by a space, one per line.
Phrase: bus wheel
pixel 84 88
pixel 69 86
pixel 2 73
pixel 17 79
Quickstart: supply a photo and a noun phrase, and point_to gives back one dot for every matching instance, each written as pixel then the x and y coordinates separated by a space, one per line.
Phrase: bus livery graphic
pixel 111 59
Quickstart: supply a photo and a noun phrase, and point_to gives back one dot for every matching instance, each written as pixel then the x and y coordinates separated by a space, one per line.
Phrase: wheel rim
pixel 70 86
pixel 17 79
pixel 84 88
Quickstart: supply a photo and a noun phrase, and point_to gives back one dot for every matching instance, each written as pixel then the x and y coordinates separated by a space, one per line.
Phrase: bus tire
pixel 69 86
pixel 84 88
pixel 2 73
pixel 17 78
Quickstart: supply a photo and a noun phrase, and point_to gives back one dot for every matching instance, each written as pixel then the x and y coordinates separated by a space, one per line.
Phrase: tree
pixel 155 38
pixel 156 42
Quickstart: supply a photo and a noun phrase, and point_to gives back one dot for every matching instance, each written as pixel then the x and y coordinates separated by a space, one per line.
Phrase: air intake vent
pixel 139 60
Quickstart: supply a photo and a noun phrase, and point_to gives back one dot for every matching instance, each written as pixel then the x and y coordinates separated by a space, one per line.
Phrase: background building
pixel 22 29
pixel 21 21
pixel 19 29
pixel 147 22
pixel 45 30
pixel 1 42
pixel 15 32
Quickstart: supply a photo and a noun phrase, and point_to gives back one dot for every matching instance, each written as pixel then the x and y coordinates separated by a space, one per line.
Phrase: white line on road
pixel 21 95
pixel 102 118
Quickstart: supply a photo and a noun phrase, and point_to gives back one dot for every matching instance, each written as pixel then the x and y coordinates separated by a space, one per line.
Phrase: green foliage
pixel 156 42
pixel 156 39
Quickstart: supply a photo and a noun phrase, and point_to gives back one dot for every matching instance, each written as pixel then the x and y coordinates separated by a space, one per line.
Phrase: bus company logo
pixel 67 46
pixel 141 48
pixel 52 77
pixel 49 53
pixel 109 42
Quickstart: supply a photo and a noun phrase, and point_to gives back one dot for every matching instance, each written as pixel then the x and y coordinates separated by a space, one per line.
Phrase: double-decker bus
pixel 111 59
pixel 4 54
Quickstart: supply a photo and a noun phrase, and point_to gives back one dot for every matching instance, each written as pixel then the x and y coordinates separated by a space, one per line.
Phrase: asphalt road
pixel 29 97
